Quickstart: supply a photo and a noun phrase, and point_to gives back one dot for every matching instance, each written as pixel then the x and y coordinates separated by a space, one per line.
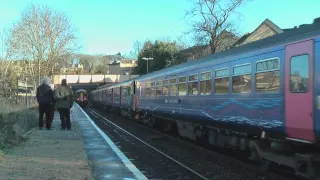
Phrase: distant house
pixel 122 67
pixel 72 68
pixel 266 29
pixel 226 40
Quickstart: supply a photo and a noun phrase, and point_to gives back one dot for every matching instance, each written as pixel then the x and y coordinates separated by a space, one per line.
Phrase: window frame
pixel 185 82
pixel 243 74
pixel 158 84
pixel 197 80
pixel 175 83
pixel 255 74
pixel 308 74
pixel 215 77
pixel 205 80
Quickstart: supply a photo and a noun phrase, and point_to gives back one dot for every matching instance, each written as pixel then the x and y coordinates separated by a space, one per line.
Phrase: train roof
pixel 304 32
pixel 81 90
pixel 286 37
pixel 114 85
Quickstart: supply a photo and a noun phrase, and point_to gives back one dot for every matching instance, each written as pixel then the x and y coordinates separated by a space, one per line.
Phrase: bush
pixel 15 121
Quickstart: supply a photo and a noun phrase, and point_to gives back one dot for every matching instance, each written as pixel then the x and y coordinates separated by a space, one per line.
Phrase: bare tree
pixel 43 37
pixel 214 25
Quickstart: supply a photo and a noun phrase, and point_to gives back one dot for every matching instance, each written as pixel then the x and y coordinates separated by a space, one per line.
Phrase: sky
pixel 111 26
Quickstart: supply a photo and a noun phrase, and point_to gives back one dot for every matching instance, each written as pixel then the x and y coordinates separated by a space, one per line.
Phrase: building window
pixel 205 83
pixel 193 84
pixel 299 74
pixel 182 90
pixel 221 82
pixel 241 79
pixel 268 76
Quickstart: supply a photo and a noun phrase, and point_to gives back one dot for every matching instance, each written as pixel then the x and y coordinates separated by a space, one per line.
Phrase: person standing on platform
pixel 64 102
pixel 45 99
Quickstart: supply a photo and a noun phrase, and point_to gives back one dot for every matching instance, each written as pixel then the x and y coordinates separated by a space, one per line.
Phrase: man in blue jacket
pixel 45 99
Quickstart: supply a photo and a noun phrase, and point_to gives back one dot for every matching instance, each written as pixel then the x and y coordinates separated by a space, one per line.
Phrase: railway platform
pixel 84 153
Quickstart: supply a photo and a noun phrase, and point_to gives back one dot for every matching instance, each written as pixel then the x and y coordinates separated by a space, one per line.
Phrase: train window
pixel 173 89
pixel 182 79
pixel 148 84
pixel 116 92
pixel 129 91
pixel 193 77
pixel 205 83
pixel 221 82
pixel 159 83
pixel 165 90
pixel 182 90
pixel 148 91
pixel 241 79
pixel 158 91
pixel 193 84
pixel 268 76
pixel 153 84
pixel 299 74
pixel 153 91
pixel 173 81
pixel 124 91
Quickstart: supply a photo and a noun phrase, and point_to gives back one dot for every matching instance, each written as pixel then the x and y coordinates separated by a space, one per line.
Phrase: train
pixel 262 97
pixel 81 97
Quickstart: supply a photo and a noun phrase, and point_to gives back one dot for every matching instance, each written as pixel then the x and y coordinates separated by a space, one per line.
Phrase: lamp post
pixel 26 92
pixel 147 59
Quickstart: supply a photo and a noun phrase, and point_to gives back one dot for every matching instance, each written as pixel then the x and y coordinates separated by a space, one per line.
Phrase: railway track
pixel 162 156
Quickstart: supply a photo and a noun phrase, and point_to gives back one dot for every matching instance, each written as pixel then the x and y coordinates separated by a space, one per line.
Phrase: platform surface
pixel 105 159
pixel 48 155
pixel 84 153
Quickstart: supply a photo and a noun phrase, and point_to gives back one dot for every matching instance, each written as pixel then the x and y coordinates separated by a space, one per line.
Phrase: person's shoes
pixel 49 128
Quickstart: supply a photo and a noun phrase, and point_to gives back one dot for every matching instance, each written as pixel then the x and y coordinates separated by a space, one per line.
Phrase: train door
pixel 299 91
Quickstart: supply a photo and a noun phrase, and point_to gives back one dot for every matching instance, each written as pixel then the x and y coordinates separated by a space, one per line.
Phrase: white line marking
pixel 167 156
pixel 123 158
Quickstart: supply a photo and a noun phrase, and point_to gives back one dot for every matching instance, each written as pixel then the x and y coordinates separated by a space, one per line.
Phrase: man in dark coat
pixel 45 100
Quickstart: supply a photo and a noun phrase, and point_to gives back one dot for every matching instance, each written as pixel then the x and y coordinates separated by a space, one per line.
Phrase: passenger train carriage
pixel 263 97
